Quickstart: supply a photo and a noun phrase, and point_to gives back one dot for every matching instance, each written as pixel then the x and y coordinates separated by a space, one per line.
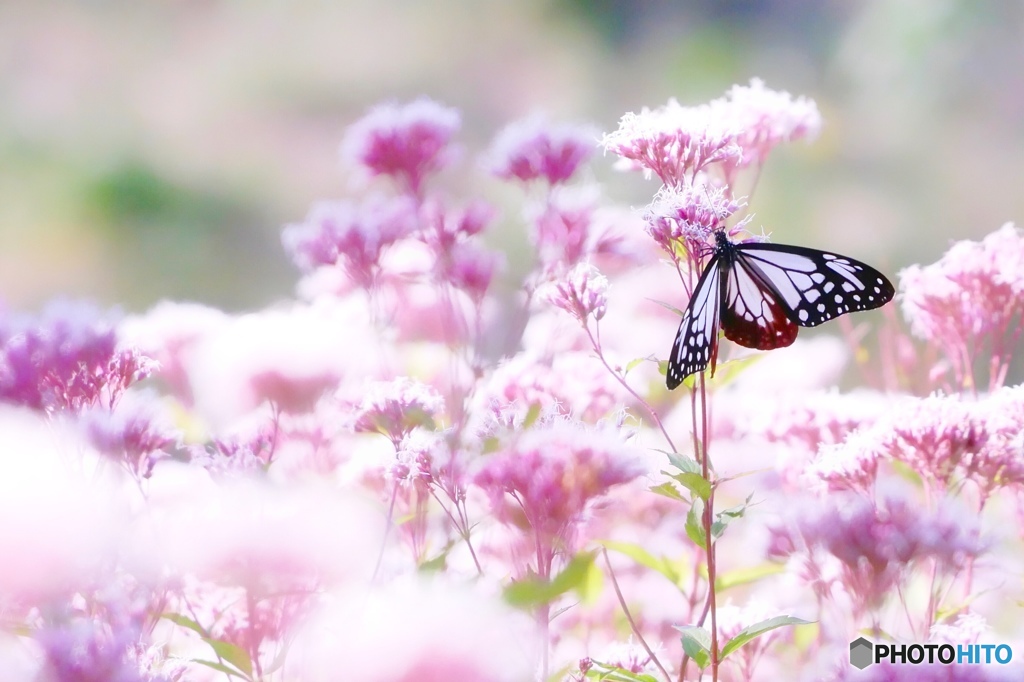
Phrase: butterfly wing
pixel 814 286
pixel 753 313
pixel 696 342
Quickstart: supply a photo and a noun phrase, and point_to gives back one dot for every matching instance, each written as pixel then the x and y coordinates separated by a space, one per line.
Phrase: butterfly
pixel 759 293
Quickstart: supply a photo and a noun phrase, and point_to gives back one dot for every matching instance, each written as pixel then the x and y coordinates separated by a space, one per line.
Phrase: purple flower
pixel 405 141
pixel 395 408
pixel 533 148
pixel 67 359
pixel 875 542
pixel 582 293
pixel 133 434
pixel 944 439
pixel 249 449
pixel 102 644
pixel 551 475
pixel 354 235
pixel 471 268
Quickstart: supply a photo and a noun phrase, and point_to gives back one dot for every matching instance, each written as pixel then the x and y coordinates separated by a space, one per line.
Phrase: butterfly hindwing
pixel 815 286
pixel 752 313
pixel 696 343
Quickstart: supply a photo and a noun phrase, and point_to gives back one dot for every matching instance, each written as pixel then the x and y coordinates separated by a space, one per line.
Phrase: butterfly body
pixel 759 294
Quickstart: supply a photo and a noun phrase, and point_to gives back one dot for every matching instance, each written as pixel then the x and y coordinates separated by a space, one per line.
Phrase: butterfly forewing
pixel 816 286
pixel 696 342
pixel 752 314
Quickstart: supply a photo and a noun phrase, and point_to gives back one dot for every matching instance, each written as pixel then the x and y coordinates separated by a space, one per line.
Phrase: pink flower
pixel 246 451
pixel 876 542
pixel 61 518
pixel 582 293
pixel 563 227
pixel 690 215
pixel 445 633
pixel 405 141
pixel 567 383
pixel 446 227
pixel 100 646
pixel 764 118
pixel 135 433
pixel 676 142
pixel 944 439
pixel 550 475
pixel 470 268
pixel 970 303
pixel 533 148
pixel 353 235
pixel 395 408
pixel 68 359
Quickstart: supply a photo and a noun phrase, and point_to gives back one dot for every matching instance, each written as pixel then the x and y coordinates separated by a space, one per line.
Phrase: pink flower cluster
pixel 970 303
pixel 676 142
pixel 68 359
pixel 256 524
pixel 875 543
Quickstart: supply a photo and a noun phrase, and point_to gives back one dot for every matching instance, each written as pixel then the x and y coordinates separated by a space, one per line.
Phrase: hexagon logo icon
pixel 861 653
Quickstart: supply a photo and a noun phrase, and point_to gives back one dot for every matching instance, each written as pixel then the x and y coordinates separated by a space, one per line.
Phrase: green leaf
pixel 666 306
pixel 186 622
pixel 668 490
pixel 695 483
pixel 742 576
pixel 577 575
pixel 696 644
pixel 602 671
pixel 683 463
pixel 725 372
pixel 757 629
pixel 694 524
pixel 531 416
pixel 633 364
pixel 675 571
pixel 437 564
pixel 233 654
pixel 220 667
pixel 727 516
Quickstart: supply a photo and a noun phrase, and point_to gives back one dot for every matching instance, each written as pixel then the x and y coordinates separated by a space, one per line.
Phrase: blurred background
pixel 154 150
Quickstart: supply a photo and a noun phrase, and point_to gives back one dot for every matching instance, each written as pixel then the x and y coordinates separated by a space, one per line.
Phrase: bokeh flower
pixel 407 142
pixel 534 148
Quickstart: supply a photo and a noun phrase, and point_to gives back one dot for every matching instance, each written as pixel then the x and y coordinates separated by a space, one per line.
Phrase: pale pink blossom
pixel 946 440
pixel 394 408
pixel 446 633
pixel 969 303
pixel 407 142
pixel 550 475
pixel 583 293
pixel 533 148
pixel 352 235
pixel 67 359
pixel 736 131
pixel 137 433
pixel 61 518
pixel 470 267
pixel 689 215
pixel 876 542
pixel 565 383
